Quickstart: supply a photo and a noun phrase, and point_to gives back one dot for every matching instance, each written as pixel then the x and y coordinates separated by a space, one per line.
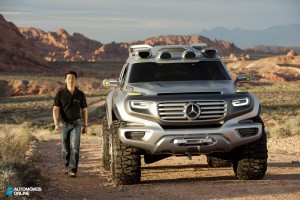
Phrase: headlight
pixel 241 102
pixel 139 104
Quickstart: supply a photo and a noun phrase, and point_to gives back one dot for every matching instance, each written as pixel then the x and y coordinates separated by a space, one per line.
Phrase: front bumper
pixel 198 140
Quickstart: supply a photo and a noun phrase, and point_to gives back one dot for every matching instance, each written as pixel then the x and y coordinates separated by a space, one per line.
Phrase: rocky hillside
pixel 277 68
pixel 61 46
pixel 18 54
pixel 225 48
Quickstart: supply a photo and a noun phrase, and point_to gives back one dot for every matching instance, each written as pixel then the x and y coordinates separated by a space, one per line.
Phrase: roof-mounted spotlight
pixel 189 55
pixel 144 54
pixel 209 53
pixel 165 55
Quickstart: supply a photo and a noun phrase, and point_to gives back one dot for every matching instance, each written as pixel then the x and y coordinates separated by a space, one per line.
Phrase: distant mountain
pixel 61 46
pixel 282 35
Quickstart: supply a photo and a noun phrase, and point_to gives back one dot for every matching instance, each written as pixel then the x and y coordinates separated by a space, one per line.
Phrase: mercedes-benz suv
pixel 180 100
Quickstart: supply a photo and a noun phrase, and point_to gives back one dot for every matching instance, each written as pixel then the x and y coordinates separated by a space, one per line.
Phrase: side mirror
pixel 110 83
pixel 243 79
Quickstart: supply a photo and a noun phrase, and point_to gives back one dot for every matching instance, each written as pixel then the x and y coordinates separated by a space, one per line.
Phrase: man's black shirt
pixel 70 105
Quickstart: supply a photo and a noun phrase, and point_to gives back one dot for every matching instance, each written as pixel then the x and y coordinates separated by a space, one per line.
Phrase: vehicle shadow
pixel 291 164
pixel 191 180
pixel 271 175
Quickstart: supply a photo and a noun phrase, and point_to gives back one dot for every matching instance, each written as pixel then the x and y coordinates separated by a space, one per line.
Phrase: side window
pixel 123 75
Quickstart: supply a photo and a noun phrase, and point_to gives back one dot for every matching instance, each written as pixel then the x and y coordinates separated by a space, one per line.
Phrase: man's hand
pixel 84 130
pixel 57 127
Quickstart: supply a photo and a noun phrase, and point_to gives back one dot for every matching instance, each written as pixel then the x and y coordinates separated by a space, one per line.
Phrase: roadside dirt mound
pixel 16 53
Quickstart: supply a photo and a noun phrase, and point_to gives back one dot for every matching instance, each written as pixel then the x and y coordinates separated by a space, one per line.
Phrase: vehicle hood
pixel 154 88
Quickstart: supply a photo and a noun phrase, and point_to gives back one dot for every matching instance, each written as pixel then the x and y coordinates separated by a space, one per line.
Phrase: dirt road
pixel 172 178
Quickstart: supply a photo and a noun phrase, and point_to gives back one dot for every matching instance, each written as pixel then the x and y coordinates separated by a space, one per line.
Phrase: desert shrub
pixel 293 126
pixel 290 128
pixel 8 177
pixel 16 168
pixel 14 142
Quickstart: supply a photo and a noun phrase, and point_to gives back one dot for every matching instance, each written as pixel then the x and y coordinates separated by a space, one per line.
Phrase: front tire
pixel 125 160
pixel 251 162
pixel 105 144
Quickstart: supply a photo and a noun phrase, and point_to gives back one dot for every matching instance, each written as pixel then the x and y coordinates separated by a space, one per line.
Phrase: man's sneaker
pixel 72 174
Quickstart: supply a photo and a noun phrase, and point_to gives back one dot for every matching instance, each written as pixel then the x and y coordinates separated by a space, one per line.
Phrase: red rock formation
pixel 291 53
pixel 224 48
pixel 60 46
pixel 16 53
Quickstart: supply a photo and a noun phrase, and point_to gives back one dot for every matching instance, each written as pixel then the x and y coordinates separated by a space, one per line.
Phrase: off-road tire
pixel 125 160
pixel 105 144
pixel 218 162
pixel 251 159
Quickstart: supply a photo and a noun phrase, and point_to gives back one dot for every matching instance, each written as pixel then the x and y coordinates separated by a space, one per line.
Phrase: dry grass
pixel 280 108
pixel 15 142
pixel 17 162
pixel 290 128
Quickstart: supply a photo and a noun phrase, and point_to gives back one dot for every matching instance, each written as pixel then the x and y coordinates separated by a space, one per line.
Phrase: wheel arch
pixel 109 108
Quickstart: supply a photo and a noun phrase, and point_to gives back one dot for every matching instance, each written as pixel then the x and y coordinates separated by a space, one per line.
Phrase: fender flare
pixel 108 107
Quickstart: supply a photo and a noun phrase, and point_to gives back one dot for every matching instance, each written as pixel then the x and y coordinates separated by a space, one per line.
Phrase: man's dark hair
pixel 71 72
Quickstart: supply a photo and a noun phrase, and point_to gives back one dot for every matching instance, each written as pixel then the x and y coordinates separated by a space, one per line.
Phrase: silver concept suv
pixel 180 100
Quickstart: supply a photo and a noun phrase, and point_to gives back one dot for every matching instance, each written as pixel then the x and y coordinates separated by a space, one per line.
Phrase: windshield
pixel 155 72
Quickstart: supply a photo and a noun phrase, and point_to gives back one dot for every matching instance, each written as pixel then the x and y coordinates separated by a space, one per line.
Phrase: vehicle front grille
pixel 209 110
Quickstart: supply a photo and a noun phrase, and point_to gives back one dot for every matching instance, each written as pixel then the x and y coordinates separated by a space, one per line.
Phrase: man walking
pixel 69 103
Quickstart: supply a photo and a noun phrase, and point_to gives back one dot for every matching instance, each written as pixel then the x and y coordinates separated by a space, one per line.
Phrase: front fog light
pixel 139 104
pixel 241 102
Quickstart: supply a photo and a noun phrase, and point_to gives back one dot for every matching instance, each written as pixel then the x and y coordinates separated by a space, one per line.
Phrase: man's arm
pixel 55 117
pixel 85 119
pixel 85 116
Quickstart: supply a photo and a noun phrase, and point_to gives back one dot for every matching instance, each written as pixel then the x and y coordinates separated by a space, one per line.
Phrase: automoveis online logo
pixel 22 191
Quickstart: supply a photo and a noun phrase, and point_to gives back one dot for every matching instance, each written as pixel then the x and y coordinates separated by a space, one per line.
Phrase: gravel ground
pixel 171 178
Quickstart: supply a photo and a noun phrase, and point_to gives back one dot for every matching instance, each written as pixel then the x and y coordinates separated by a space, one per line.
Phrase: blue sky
pixel 125 21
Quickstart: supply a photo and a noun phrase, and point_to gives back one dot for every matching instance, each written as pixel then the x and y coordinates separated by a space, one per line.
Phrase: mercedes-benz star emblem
pixel 192 111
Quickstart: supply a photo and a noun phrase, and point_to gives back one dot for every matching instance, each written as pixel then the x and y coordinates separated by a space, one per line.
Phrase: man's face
pixel 70 80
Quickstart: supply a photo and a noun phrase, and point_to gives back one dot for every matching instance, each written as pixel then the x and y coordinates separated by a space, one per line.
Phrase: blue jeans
pixel 70 139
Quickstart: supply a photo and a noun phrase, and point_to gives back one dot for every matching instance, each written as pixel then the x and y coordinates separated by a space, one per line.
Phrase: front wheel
pixel 125 160
pixel 251 162
pixel 105 144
